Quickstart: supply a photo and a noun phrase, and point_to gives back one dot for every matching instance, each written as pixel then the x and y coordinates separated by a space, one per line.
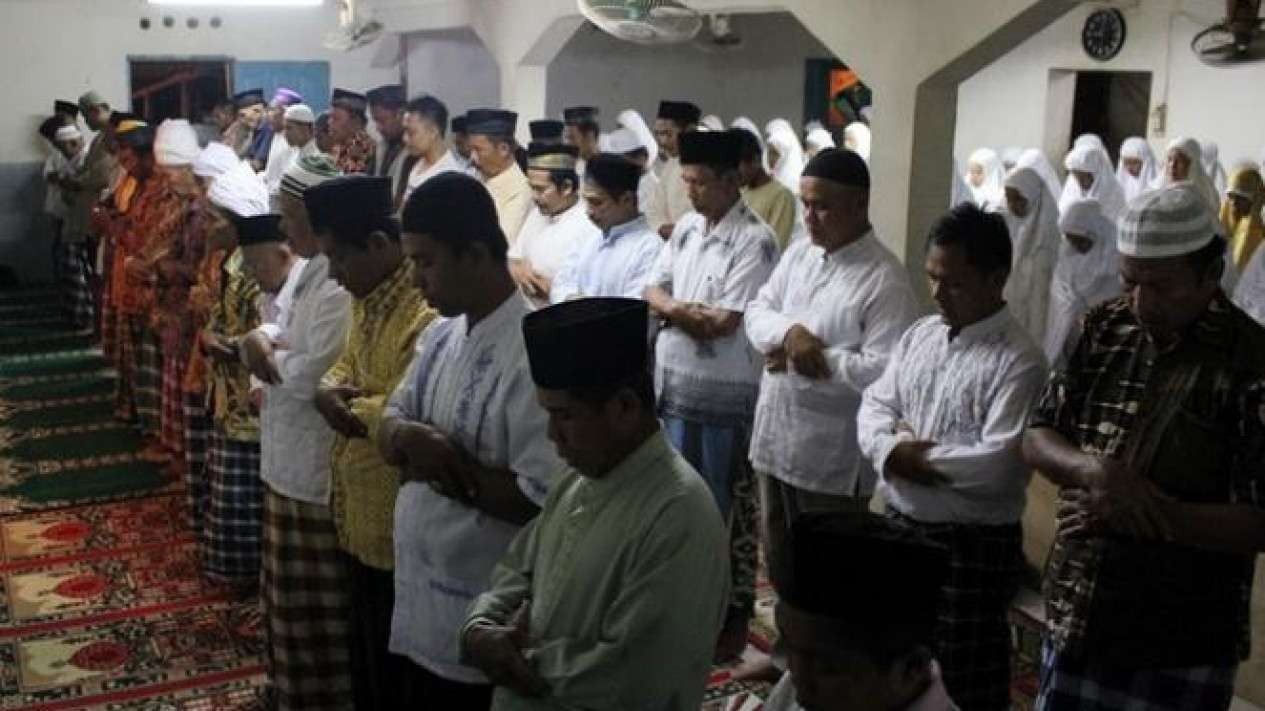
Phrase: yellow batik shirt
pixel 385 325
pixel 233 315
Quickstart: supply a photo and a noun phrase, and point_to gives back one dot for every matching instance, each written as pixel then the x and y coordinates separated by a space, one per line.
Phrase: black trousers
pixel 375 671
pixel 423 689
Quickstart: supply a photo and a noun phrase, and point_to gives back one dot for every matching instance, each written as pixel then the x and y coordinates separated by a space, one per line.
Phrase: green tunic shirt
pixel 628 578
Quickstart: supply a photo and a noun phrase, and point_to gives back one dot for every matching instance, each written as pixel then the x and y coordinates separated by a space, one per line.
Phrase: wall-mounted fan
pixel 643 21
pixel 1237 40
pixel 355 28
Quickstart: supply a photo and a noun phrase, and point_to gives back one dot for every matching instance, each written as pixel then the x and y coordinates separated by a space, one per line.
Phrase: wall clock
pixel 1104 34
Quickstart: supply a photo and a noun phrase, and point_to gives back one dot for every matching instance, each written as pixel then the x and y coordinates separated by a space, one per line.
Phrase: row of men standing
pixel 787 344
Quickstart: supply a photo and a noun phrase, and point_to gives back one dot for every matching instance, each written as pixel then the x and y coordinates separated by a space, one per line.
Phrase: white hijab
pixel 633 121
pixel 1197 177
pixel 790 161
pixel 1081 281
pixel 818 140
pixel 1137 148
pixel 1212 165
pixel 857 138
pixel 1105 189
pixel 991 194
pixel 1036 246
pixel 1010 156
pixel 747 124
pixel 1036 160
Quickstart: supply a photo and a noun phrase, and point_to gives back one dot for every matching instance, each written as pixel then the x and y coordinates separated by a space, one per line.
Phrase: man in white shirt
pixel 944 426
pixel 859 642
pixel 304 319
pixel 707 375
pixel 298 138
pixel 619 260
pixel 468 435
pixel 493 148
pixel 387 108
pixel 826 323
pixel 425 121
pixel 675 118
pixel 584 131
pixel 556 228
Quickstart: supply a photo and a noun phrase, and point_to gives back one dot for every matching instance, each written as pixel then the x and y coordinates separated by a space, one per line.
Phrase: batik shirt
pixel 233 315
pixel 1191 420
pixel 384 328
pixel 356 154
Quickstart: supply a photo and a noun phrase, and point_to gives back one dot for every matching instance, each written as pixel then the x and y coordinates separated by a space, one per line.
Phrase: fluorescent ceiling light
pixel 240 3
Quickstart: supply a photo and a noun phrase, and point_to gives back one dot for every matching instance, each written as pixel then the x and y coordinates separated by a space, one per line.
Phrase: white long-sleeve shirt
pixel 616 263
pixel 547 242
pixel 309 332
pixel 857 300
pixel 971 396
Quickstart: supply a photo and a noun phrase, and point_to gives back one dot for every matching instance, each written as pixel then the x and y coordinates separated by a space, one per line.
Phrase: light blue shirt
pixel 615 264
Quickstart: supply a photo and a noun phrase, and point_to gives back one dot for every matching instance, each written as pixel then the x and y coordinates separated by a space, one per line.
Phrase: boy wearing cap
pixel 942 426
pixel 707 374
pixel 467 434
pixel 1153 430
pixel 612 596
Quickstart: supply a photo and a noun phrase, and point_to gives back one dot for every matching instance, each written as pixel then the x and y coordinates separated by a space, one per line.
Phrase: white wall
pixel 1006 103
pixel 763 79
pixel 454 66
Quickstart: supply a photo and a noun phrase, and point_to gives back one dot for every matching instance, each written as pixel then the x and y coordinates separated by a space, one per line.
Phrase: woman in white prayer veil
pixel 789 163
pixel 1212 165
pixel 1137 171
pixel 1088 273
pixel 1010 156
pixel 1183 163
pixel 632 120
pixel 857 138
pixel 711 122
pixel 1032 216
pixel 817 140
pixel 1033 158
pixel 1089 175
pixel 986 179
pixel 747 124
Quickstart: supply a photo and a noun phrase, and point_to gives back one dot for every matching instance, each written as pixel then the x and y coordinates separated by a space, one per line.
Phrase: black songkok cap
pixel 459 124
pixel 118 117
pixel 351 203
pixel 349 100
pixel 69 108
pixel 546 130
pixel 904 593
pixel 839 165
pixel 250 97
pixel 491 122
pixel 390 96
pixel 680 111
pixel 49 126
pixel 722 149
pixel 452 207
pixel 580 114
pixel 587 342
pixel 258 229
pixel 613 173
pixel 552 156
pixel 140 138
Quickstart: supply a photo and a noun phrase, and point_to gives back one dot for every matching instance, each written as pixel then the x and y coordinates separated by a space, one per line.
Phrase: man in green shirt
pixel 614 595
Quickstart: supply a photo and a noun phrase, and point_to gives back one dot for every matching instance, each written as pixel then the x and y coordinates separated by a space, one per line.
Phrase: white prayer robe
pixel 625 574
pixel 1081 281
pixel 989 195
pixel 1197 176
pixel 547 242
pixel 54 164
pixel 652 199
pixel 308 330
pixel 474 385
pixel 1035 239
pixel 971 396
pixel 858 300
pixel 721 266
pixel 1137 148
pixel 1105 189
pixel 281 157
pixel 615 263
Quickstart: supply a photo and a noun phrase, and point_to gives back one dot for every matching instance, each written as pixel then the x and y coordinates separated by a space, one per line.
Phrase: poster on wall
pixel 834 94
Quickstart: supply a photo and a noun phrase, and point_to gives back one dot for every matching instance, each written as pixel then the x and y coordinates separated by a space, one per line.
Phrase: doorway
pixel 1113 105
pixel 184 88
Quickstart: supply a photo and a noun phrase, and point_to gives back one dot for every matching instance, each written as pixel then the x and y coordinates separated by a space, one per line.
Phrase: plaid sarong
pixel 147 379
pixel 126 341
pixel 307 605
pixel 173 403
pixel 232 537
pixel 108 316
pixel 1069 684
pixel 973 639
pixel 74 271
pixel 197 435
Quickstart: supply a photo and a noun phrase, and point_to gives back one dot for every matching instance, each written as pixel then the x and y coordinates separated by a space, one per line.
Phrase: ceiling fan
pixel 1239 39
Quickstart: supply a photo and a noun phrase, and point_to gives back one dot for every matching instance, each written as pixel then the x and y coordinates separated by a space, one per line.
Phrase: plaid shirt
pixel 1191 419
